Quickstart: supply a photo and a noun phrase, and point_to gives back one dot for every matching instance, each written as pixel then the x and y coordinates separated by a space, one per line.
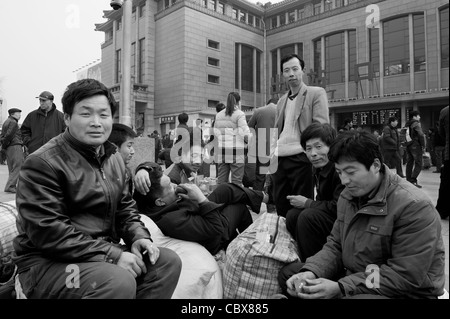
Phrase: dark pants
pixel 14 155
pixel 310 228
pixel 293 177
pixel 414 162
pixel 261 173
pixel 443 202
pixel 101 280
pixel 235 199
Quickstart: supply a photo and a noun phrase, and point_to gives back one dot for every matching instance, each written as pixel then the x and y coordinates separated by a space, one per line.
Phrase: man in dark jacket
pixel 212 221
pixel 390 146
pixel 386 241
pixel 43 124
pixel 310 221
pixel 443 202
pixel 12 144
pixel 74 209
pixel 414 149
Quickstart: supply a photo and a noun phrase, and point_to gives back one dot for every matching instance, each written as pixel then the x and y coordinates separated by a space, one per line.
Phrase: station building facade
pixel 375 59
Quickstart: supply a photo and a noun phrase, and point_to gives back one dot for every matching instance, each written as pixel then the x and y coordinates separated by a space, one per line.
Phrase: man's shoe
pixel 417 185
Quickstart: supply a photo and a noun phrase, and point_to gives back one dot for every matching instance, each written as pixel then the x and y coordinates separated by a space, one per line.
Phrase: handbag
pixel 255 256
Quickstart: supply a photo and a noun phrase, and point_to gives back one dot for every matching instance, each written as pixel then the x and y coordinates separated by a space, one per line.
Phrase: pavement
pixel 429 180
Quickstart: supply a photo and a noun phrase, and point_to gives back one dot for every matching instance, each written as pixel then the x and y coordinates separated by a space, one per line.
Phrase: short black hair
pixel 120 133
pixel 324 131
pixel 392 119
pixel 360 146
pixel 83 89
pixel 145 202
pixel 347 121
pixel 413 113
pixel 219 107
pixel 290 57
pixel 183 118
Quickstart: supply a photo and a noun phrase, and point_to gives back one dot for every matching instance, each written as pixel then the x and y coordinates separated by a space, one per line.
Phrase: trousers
pixel 102 280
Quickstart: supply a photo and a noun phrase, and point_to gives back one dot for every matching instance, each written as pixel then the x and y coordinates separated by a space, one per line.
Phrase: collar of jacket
pixel 379 198
pixel 88 151
pixel 13 118
pixel 324 171
pixel 40 111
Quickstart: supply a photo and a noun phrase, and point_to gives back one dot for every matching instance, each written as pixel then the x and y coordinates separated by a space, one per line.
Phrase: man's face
pixel 168 196
pixel 293 73
pixel 16 115
pixel 356 178
pixel 45 104
pixel 317 152
pixel 127 150
pixel 394 124
pixel 91 120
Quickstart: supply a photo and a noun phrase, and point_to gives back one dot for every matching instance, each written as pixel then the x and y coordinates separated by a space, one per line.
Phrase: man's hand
pixel 142 181
pixel 132 263
pixel 144 248
pixel 319 288
pixel 193 192
pixel 296 283
pixel 297 201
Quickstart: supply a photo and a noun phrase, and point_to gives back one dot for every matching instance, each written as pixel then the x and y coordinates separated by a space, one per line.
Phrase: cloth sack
pixel 8 231
pixel 254 258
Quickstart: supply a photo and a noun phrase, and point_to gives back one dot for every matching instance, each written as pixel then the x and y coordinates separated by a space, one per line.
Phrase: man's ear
pixel 377 164
pixel 159 202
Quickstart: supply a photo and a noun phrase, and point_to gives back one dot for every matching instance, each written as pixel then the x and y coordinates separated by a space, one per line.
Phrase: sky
pixel 42 43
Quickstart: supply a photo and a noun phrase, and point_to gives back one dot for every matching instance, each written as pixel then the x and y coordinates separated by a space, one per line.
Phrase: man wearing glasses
pixel 41 125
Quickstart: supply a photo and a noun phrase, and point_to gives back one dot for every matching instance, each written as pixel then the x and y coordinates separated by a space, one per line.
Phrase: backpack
pixel 8 231
pixel 405 136
pixel 255 256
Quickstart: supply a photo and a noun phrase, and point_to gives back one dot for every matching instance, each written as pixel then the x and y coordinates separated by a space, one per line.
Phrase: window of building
pixel 119 24
pixel 141 61
pixel 212 4
pixel 351 54
pixel 213 79
pixel 166 4
pixel 118 66
pixel 335 58
pixel 282 19
pixel 213 62
pixel 396 46
pixel 205 3
pixel 242 16
pixel 317 8
pixel 142 9
pixel 317 46
pixel 301 14
pixel 291 16
pixel 258 22
pixel 338 3
pixel 220 7
pixel 328 5
pixel 133 59
pixel 419 42
pixel 213 44
pixel 374 51
pixel 251 19
pixel 213 103
pixel 247 64
pixel 234 13
pixel 274 22
pixel 444 34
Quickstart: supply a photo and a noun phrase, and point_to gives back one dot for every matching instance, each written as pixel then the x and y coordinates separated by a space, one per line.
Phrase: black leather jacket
pixel 74 206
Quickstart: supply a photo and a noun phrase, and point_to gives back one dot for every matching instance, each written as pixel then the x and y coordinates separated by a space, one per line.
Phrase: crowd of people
pixel 343 193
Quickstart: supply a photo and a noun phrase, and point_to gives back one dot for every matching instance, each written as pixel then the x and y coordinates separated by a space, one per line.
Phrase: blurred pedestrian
pixel 43 124
pixel 12 144
pixel 390 146
pixel 443 202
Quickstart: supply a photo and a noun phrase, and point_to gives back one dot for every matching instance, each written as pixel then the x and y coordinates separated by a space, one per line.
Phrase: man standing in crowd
pixel 263 122
pixel 297 109
pixel 414 149
pixel 43 124
pixel 443 202
pixel 74 209
pixel 387 238
pixel 12 144
pixel 390 146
